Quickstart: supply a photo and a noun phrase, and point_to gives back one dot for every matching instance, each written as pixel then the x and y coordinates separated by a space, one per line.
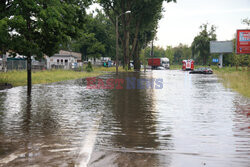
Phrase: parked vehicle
pixel 160 68
pixel 165 62
pixel 157 62
pixel 187 65
pixel 202 70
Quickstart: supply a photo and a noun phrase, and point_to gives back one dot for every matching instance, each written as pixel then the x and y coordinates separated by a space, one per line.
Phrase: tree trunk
pixel 124 48
pixel 204 60
pixel 127 48
pixel 136 58
pixel 127 22
pixel 29 67
pixel 135 39
pixel 126 6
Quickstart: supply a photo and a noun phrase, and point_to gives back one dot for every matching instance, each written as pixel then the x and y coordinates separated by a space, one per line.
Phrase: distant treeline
pixel 199 51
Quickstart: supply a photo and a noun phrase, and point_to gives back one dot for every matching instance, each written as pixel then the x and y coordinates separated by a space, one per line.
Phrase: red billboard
pixel 243 42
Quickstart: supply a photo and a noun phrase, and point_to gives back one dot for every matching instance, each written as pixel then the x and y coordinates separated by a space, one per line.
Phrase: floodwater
pixel 193 121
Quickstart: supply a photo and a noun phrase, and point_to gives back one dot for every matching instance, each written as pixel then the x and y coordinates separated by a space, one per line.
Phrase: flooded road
pixel 192 121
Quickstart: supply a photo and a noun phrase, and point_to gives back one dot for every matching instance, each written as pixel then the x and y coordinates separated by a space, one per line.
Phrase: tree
pixel 246 21
pixel 5 8
pixel 143 19
pixel 143 59
pixel 106 33
pixel 178 54
pixel 201 44
pixel 40 27
pixel 170 54
pixel 96 39
pixel 5 36
pixel 89 46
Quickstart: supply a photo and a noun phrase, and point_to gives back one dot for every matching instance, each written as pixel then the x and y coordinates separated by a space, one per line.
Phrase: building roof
pixel 62 55
pixel 64 52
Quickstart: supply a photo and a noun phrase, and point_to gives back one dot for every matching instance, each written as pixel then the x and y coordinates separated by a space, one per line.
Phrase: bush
pixel 89 67
pixel 126 68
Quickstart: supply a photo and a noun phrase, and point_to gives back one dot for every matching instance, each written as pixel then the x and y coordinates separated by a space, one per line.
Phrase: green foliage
pixel 170 54
pixel 248 60
pixel 137 28
pixel 4 36
pixel 158 52
pixel 143 58
pixel 181 52
pixel 237 60
pixel 126 68
pixel 201 44
pixel 89 67
pixel 41 26
pixel 175 55
pixel 95 39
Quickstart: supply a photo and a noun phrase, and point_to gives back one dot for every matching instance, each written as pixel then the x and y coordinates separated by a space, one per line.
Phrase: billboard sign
pixel 221 46
pixel 243 42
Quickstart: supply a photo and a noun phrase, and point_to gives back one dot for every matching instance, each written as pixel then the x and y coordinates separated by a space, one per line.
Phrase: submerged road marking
pixel 11 157
pixel 88 145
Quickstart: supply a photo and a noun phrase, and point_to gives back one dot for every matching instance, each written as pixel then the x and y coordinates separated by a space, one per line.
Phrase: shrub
pixel 89 67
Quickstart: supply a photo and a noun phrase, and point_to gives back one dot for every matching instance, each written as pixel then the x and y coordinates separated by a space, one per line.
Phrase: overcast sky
pixel 181 20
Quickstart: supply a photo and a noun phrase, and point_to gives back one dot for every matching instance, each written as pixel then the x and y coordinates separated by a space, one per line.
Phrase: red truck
pixel 157 62
pixel 187 65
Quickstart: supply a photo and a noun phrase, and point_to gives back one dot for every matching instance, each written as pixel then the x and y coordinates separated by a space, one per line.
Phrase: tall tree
pixel 39 27
pixel 5 8
pixel 170 54
pixel 4 36
pixel 201 44
pixel 143 19
pixel 97 38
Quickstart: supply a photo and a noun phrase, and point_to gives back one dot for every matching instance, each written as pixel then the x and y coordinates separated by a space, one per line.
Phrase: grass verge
pixel 175 67
pixel 19 78
pixel 237 80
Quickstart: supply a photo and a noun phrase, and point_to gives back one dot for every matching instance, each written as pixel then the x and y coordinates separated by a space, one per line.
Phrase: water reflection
pixel 129 133
pixel 192 121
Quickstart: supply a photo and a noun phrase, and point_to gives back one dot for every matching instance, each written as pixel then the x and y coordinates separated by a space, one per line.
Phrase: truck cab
pixel 187 65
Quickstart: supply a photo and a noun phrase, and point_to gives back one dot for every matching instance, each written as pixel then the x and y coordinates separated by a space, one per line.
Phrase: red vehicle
pixel 187 65
pixel 159 62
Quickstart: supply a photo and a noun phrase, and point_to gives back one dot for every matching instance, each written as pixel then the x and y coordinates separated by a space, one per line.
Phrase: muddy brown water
pixel 193 121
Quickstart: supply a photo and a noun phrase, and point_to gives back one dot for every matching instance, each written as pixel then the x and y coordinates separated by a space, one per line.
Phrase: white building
pixel 64 60
pixel 77 55
pixel 61 61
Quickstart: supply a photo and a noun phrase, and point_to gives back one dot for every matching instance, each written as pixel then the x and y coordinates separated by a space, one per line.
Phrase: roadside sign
pixel 215 60
pixel 243 42
pixel 221 46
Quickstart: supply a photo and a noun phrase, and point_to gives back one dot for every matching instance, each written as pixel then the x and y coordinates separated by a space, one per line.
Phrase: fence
pixel 21 64
pixel 16 64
